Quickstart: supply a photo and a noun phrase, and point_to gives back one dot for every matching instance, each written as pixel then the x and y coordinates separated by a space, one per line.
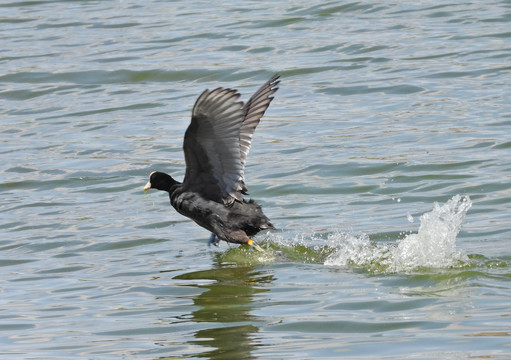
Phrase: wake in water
pixel 433 246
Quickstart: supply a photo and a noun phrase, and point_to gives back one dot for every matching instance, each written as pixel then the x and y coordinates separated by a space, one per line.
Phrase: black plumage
pixel 216 146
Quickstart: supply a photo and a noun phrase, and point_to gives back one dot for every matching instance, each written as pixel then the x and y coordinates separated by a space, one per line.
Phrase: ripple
pixel 383 110
pixel 354 90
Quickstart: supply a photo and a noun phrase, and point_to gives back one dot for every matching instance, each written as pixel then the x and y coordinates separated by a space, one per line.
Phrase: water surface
pixel 384 162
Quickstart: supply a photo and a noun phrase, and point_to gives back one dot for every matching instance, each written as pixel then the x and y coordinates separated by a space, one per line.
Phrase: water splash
pixel 433 246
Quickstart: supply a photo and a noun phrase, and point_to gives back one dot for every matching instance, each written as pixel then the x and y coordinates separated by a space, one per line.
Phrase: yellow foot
pixel 254 245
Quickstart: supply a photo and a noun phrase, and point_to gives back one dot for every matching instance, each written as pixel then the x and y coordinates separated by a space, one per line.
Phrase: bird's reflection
pixel 226 305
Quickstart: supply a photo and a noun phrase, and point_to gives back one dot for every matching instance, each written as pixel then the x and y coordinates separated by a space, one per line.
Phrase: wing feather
pixel 253 111
pixel 218 140
pixel 211 146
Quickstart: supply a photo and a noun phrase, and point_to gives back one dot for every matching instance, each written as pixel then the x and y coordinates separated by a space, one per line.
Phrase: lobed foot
pixel 213 240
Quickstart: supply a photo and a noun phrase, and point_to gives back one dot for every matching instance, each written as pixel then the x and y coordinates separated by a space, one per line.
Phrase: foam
pixel 433 246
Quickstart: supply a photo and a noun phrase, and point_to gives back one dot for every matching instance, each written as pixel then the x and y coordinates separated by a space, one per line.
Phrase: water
pixel 384 162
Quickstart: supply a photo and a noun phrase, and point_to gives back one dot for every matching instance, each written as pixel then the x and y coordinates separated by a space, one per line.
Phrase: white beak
pixel 147 186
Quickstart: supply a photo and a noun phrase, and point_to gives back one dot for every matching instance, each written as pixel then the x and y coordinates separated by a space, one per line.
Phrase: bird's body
pixel 216 145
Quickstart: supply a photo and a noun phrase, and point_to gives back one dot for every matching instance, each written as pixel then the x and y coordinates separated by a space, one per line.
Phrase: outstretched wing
pixel 212 146
pixel 253 111
pixel 218 140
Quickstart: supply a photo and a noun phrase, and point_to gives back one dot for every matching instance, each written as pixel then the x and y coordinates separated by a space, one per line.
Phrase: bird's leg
pixel 213 240
pixel 254 245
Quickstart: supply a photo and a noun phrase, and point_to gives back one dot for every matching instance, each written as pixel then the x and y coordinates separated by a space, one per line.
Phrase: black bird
pixel 216 146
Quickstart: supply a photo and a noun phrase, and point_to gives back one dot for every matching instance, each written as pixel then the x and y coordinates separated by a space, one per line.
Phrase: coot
pixel 216 146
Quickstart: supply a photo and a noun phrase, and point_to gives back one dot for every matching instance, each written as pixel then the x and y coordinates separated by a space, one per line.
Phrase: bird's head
pixel 159 181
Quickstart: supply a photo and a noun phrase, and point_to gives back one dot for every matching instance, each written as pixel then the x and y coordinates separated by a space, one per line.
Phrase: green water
pixel 386 112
